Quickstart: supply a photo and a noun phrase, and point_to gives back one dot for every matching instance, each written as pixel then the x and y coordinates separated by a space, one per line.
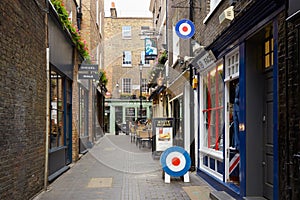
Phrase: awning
pixel 157 91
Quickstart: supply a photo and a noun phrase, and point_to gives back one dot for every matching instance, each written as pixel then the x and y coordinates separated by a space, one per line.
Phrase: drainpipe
pixel 192 125
pixel 47 101
pixel 287 136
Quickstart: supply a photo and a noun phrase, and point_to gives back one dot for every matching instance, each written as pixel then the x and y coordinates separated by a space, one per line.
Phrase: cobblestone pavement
pixel 117 169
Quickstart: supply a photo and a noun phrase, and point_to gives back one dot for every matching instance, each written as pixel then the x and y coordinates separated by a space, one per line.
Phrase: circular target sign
pixel 175 161
pixel 185 29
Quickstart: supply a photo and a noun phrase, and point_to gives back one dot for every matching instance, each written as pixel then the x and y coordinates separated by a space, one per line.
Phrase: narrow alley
pixel 116 168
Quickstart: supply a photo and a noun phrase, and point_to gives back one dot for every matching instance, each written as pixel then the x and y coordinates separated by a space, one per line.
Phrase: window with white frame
pixel 126 58
pixel 144 62
pixel 232 65
pixel 126 32
pixel 126 85
pixel 212 121
pixel 213 94
pixel 212 6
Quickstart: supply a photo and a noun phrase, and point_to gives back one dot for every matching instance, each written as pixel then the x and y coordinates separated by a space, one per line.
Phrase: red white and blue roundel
pixel 175 161
pixel 185 29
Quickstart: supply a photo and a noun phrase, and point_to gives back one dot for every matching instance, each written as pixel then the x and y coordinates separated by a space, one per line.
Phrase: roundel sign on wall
pixel 175 161
pixel 185 29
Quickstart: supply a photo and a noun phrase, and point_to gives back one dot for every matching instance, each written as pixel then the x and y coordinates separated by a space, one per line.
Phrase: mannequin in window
pixel 236 111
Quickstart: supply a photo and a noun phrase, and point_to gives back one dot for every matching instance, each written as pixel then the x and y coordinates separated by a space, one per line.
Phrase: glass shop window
pixel 213 95
pixel 56 110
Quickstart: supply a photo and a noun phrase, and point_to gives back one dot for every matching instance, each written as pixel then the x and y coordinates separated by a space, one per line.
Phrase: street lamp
pixel 141 82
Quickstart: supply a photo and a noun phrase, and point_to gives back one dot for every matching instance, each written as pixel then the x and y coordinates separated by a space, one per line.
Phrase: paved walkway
pixel 117 169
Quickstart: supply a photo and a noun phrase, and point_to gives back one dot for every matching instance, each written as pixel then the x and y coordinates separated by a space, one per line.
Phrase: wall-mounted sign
pixel 206 60
pixel 185 29
pixel 89 67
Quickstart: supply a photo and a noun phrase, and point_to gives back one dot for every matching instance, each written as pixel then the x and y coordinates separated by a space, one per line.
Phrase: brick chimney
pixel 113 11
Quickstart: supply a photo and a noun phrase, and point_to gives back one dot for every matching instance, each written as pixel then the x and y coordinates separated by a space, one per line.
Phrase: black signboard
pixel 88 67
pixel 88 76
pixel 162 130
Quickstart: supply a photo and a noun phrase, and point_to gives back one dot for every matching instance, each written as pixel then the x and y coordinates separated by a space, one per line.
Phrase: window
pixel 126 85
pixel 211 6
pixel 57 110
pixel 126 32
pixel 145 62
pixel 268 48
pixel 232 65
pixel 214 4
pixel 130 114
pixel 213 90
pixel 126 58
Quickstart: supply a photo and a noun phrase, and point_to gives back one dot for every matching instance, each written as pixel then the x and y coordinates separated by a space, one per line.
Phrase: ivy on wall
pixel 76 37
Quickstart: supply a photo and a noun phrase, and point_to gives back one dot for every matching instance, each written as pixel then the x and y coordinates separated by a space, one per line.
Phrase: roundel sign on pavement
pixel 185 29
pixel 175 161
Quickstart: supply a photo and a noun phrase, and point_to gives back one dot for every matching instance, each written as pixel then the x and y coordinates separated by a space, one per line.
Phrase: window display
pixel 213 89
pixel 57 109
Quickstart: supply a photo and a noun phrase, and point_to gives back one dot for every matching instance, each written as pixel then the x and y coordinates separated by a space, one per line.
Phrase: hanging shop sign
pixel 89 67
pixel 163 130
pixel 150 49
pixel 88 76
pixel 185 29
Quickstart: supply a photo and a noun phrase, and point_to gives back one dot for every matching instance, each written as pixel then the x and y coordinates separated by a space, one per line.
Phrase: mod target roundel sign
pixel 175 161
pixel 185 29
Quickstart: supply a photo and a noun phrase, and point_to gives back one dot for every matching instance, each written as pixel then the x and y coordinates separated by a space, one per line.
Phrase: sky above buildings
pixel 129 8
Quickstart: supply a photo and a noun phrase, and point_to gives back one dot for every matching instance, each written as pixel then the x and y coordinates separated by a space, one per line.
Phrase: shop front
pixel 61 58
pixel 121 113
pixel 238 113
pixel 83 123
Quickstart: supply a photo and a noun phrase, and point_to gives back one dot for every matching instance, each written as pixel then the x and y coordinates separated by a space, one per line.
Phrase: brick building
pixel 42 97
pixel 90 124
pixel 250 93
pixel 247 64
pixel 23 98
pixel 123 52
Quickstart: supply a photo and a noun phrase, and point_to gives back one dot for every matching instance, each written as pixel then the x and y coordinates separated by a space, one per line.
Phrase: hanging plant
pixel 163 57
pixel 158 68
pixel 76 37
pixel 102 78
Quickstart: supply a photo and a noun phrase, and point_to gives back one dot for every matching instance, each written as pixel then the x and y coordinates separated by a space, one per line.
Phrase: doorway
pixel 259 113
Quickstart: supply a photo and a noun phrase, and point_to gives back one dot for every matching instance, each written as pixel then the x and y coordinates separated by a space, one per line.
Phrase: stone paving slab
pixel 116 169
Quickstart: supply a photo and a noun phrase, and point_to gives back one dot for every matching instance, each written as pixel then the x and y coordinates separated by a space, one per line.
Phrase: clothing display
pixel 236 111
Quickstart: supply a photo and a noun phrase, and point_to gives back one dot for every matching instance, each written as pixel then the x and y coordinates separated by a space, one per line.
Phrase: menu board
pixel 163 130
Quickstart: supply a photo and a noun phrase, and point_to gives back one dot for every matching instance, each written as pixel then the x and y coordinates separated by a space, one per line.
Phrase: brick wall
pixel 22 99
pixel 115 45
pixel 289 116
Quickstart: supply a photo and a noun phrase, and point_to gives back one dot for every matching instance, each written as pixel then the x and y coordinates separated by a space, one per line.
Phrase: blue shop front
pixel 237 107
